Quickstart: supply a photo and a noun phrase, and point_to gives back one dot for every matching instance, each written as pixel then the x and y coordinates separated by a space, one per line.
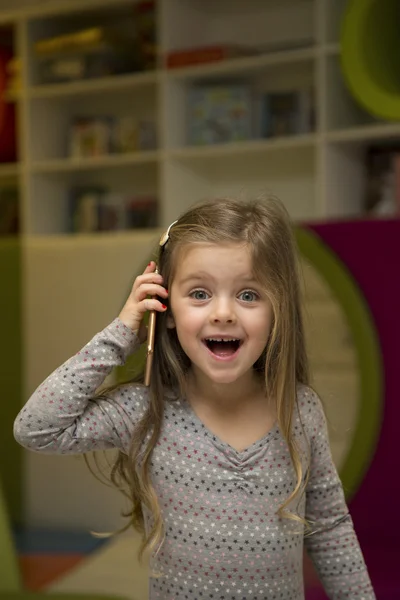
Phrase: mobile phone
pixel 151 330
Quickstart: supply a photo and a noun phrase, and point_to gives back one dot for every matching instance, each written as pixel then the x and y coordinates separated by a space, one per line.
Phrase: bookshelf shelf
pixel 366 133
pixel 9 171
pixel 110 161
pixel 67 240
pixel 103 84
pixel 60 8
pixel 245 65
pixel 332 49
pixel 301 168
pixel 245 148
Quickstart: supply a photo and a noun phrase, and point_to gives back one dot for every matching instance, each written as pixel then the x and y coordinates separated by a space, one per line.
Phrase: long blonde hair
pixel 263 225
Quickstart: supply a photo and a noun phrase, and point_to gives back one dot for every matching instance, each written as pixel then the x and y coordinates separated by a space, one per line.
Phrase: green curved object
pixel 367 347
pixel 370 55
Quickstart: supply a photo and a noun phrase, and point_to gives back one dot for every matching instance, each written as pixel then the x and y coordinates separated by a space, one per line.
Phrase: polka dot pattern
pixel 224 539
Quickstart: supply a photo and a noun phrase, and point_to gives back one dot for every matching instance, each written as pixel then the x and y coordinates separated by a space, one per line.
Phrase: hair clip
pixel 165 236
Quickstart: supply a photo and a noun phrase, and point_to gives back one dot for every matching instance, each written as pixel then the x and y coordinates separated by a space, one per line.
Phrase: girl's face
pixel 214 297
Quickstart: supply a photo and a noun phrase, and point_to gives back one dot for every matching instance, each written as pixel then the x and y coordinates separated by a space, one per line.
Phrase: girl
pixel 226 453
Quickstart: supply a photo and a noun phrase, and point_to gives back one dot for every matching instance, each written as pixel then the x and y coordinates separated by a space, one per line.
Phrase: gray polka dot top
pixel 224 539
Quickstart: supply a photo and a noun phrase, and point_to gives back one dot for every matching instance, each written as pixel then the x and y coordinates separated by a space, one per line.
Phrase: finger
pixel 150 289
pixel 152 304
pixel 150 277
pixel 150 267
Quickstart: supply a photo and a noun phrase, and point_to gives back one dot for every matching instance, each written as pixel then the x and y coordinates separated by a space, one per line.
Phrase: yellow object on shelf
pixel 77 40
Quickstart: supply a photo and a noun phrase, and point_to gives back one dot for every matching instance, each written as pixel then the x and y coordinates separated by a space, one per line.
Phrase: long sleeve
pixel 333 545
pixel 63 416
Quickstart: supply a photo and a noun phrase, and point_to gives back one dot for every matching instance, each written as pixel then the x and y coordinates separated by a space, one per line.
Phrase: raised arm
pixel 63 416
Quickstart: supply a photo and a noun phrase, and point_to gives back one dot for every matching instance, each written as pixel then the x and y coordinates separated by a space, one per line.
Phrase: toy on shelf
pixel 85 54
pixel 14 76
pixel 118 45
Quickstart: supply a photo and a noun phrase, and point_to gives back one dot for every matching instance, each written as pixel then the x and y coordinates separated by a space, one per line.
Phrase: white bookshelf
pixel 318 175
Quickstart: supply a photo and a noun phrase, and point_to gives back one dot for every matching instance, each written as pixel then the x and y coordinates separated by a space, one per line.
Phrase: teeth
pixel 222 340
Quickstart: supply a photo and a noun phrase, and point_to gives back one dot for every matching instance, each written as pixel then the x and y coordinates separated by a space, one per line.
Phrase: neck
pixel 225 396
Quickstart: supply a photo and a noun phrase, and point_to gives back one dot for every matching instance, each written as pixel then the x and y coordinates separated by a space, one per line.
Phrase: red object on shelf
pixel 206 54
pixel 8 145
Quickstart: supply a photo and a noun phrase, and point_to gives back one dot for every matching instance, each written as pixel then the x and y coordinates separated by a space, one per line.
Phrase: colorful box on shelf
pixel 223 113
pixel 219 113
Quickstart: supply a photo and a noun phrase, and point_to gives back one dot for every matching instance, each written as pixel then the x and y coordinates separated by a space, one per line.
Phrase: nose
pixel 223 311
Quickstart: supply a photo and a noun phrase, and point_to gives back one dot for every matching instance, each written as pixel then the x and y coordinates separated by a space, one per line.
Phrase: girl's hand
pixel 148 284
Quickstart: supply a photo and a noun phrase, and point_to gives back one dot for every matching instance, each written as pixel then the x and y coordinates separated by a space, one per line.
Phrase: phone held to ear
pixel 151 330
pixel 152 319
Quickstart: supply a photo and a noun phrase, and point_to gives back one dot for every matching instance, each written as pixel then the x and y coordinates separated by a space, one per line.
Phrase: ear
pixel 170 321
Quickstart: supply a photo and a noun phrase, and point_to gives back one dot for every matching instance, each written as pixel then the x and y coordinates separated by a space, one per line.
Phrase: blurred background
pixel 117 115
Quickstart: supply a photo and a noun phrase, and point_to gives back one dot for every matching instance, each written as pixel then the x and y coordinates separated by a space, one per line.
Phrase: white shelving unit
pixel 319 175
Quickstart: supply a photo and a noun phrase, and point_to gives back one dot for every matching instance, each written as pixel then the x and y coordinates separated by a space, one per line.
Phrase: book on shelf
pixel 287 113
pixel 141 212
pixel 90 136
pixel 219 113
pixel 382 198
pixel 102 135
pixel 132 135
pixel 96 208
pixel 233 112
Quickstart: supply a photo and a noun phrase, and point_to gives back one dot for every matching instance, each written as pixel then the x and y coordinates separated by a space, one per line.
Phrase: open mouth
pixel 221 347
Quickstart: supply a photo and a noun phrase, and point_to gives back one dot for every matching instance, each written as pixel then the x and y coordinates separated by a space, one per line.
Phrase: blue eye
pixel 199 295
pixel 248 296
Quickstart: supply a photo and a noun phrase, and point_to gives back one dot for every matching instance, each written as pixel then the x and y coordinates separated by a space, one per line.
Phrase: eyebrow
pixel 203 275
